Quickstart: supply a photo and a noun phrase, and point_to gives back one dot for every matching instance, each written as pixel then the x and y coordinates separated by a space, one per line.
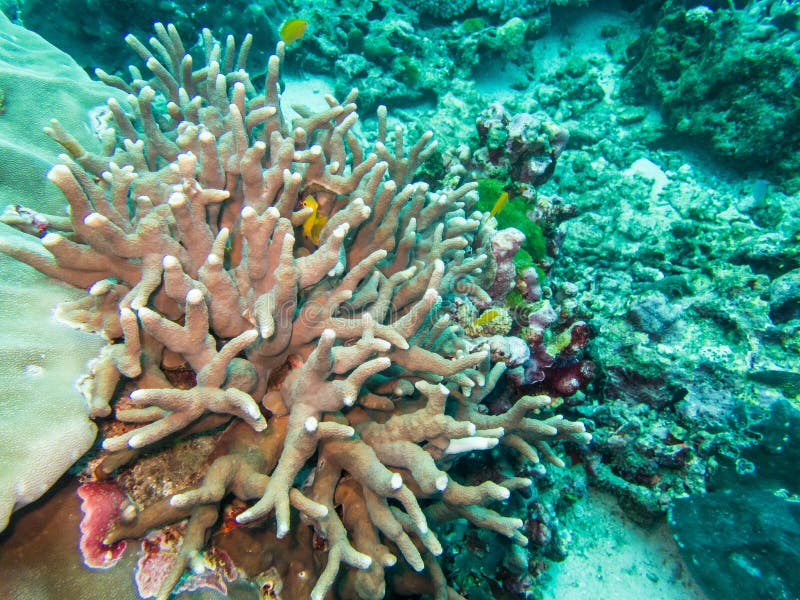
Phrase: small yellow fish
pixel 315 223
pixel 488 316
pixel 499 204
pixel 292 30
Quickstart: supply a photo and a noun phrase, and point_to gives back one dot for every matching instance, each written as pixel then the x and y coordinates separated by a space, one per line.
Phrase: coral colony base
pixel 277 307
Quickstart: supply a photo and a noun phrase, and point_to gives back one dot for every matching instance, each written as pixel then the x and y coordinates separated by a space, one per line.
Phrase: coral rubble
pixel 727 77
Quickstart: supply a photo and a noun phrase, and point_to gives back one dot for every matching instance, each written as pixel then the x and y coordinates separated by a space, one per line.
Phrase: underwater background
pixel 646 155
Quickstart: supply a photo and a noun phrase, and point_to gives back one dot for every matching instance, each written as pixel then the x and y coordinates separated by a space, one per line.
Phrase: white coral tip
pixel 51 239
pixel 94 220
pixel 99 288
pixel 58 171
pixel 197 565
pixel 362 561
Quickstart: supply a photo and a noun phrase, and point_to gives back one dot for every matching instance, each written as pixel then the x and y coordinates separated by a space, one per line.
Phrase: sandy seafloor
pixel 611 557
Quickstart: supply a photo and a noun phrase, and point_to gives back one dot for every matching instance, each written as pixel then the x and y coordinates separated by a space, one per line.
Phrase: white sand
pixel 611 557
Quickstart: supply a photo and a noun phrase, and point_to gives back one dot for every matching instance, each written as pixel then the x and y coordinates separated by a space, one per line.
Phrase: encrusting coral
pixel 345 391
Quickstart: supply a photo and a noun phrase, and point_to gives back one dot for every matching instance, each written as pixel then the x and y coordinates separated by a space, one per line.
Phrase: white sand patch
pixel 611 557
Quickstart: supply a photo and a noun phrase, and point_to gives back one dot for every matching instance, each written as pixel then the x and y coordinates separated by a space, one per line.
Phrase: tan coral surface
pixel 303 281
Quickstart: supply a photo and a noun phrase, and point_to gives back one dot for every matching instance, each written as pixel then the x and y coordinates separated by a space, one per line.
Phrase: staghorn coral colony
pixel 281 311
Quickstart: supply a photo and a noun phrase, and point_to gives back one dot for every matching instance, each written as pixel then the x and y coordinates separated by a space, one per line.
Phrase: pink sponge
pixel 102 504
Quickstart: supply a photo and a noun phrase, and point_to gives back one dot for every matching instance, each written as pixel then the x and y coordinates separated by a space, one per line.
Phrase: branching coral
pixel 188 234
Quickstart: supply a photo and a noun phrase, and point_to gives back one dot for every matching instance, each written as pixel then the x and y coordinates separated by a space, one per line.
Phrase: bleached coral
pixel 300 280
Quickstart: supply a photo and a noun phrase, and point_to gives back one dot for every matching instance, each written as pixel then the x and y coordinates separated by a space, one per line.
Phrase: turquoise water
pixel 518 318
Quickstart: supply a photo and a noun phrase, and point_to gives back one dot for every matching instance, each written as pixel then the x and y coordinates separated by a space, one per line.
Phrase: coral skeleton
pixel 327 360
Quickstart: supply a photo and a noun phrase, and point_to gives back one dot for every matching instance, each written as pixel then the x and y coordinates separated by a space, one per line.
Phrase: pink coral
pixel 102 504
pixel 568 379
pixel 505 244
pixel 159 555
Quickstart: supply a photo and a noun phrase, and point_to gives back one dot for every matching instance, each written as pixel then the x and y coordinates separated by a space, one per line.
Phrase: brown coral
pixel 188 235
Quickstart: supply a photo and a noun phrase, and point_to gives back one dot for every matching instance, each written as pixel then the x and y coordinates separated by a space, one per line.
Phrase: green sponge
pixel 513 214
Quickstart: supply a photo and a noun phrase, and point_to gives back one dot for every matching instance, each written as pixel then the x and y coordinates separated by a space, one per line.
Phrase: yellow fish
pixel 488 316
pixel 499 204
pixel 314 224
pixel 292 30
